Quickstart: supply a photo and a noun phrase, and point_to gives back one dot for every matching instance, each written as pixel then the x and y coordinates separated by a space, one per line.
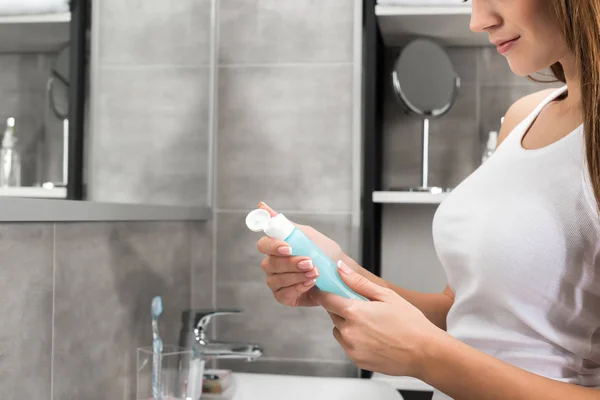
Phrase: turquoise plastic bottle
pixel 279 227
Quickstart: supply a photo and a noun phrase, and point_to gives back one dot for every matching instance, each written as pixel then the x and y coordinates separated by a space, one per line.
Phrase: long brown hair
pixel 579 21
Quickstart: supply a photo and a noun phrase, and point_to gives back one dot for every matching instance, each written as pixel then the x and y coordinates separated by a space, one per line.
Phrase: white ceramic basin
pixel 281 387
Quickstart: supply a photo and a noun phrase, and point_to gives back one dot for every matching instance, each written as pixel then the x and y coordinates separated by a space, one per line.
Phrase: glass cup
pixel 180 376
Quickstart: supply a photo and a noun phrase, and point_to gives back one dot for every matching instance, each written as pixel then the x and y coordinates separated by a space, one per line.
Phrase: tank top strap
pixel 516 135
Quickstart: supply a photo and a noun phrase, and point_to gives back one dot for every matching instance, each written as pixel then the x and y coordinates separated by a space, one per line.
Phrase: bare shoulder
pixel 520 110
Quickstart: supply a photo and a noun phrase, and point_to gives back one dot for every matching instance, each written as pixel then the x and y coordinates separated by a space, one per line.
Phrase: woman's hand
pixel 291 277
pixel 387 334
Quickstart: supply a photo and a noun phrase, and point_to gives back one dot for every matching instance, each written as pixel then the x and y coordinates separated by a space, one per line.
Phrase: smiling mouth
pixel 508 41
pixel 506 45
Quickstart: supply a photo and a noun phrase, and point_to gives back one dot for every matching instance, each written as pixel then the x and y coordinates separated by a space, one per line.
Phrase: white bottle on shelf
pixel 491 146
pixel 10 159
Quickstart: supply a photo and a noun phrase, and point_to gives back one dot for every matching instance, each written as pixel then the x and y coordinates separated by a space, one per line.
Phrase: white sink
pixel 282 387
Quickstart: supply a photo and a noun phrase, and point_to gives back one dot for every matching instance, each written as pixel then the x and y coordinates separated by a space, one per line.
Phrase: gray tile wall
pixel 284 103
pixel 456 142
pixel 77 300
pixel 77 296
pixel 151 102
pixel 80 293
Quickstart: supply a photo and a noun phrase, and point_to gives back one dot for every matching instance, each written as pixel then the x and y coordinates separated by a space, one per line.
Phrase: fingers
pixel 340 339
pixel 289 277
pixel 281 265
pixel 334 304
pixel 273 213
pixel 359 283
pixel 291 295
pixel 266 207
pixel 277 282
pixel 270 246
pixel 337 320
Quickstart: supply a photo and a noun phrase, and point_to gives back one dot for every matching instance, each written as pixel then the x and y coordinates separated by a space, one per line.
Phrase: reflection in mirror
pixel 150 98
pixel 426 85
pixel 32 146
pixel 58 101
pixel 33 35
pixel 107 115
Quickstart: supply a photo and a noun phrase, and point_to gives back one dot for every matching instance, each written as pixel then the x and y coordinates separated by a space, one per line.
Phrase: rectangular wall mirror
pixel 102 114
pixel 35 43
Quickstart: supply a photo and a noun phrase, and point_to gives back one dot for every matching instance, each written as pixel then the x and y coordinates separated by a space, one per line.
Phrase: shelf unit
pixel 34 192
pixel 42 33
pixel 447 25
pixel 394 26
pixel 395 197
pixel 48 33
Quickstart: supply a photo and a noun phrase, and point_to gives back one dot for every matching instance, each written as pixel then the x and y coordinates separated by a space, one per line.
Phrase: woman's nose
pixel 483 16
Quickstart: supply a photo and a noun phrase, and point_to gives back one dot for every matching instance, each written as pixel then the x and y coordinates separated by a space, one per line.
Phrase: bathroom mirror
pixel 58 102
pixel 148 139
pixel 95 116
pixel 36 91
pixel 58 84
pixel 426 85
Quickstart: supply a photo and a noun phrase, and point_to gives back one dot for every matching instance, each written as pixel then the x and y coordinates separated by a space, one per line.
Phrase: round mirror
pixel 424 79
pixel 58 84
pixel 426 84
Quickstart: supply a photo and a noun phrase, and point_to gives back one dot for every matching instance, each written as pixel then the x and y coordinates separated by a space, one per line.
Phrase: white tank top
pixel 519 241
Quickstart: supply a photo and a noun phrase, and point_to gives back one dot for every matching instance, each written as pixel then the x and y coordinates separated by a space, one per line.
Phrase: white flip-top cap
pixel 258 220
pixel 277 227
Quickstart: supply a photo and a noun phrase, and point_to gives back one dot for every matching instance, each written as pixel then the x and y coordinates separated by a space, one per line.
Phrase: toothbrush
pixel 157 348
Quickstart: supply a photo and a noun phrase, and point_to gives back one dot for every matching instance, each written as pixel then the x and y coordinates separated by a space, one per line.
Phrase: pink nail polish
pixel 312 274
pixel 305 265
pixel 344 268
pixel 310 282
pixel 285 250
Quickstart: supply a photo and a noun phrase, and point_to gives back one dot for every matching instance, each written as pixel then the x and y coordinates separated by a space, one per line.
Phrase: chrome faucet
pixel 205 348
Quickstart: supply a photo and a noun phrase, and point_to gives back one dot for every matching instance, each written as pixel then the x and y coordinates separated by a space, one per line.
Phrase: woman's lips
pixel 505 46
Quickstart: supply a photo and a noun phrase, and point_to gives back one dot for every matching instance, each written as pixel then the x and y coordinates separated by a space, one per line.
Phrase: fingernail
pixel 312 274
pixel 262 204
pixel 284 250
pixel 305 265
pixel 344 268
pixel 310 283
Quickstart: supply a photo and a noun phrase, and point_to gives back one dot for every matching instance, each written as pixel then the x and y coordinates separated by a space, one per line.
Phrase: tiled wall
pixel 151 94
pixel 77 303
pixel 456 142
pixel 23 79
pixel 285 103
pixel 77 295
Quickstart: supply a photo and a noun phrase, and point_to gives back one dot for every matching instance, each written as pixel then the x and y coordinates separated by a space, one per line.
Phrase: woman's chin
pixel 522 68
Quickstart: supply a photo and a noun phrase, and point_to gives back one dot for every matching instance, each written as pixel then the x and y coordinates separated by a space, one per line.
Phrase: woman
pixel 518 239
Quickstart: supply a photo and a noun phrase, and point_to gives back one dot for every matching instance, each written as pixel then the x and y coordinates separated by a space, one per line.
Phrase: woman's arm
pixel 465 373
pixel 435 306
pixel 389 335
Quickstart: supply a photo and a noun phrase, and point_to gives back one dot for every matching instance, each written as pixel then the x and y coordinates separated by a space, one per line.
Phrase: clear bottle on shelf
pixel 491 146
pixel 10 158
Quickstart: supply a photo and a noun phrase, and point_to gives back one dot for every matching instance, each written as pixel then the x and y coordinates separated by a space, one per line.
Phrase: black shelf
pixel 80 12
pixel 372 142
